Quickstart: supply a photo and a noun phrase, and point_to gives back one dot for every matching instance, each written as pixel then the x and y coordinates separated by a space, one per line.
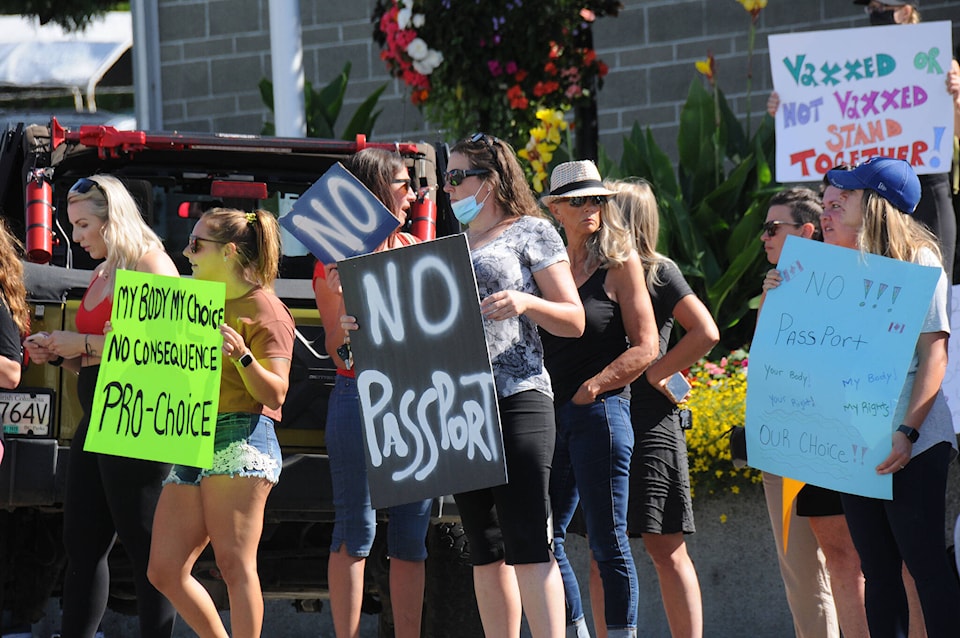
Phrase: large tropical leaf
pixel 364 119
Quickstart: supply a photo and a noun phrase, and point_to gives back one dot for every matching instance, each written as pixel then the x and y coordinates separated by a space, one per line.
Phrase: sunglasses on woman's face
pixel 193 244
pixel 583 200
pixel 457 175
pixel 770 228
pixel 404 185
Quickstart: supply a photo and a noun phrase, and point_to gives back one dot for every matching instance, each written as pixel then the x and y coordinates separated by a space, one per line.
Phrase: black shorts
pixel 818 501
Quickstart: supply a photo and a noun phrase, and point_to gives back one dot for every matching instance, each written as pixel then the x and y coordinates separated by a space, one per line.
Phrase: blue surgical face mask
pixel 467 209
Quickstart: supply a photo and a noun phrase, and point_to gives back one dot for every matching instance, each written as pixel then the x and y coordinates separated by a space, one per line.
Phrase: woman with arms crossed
pixel 661 508
pixel 591 381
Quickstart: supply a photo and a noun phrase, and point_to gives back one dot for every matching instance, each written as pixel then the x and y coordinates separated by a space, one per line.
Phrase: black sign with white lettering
pixel 430 419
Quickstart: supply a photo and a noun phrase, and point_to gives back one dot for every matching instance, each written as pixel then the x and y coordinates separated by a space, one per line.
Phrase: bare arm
pixel 932 356
pixel 267 380
pixel 9 373
pixel 330 304
pixel 626 285
pixel 953 86
pixel 73 346
pixel 701 334
pixel 558 310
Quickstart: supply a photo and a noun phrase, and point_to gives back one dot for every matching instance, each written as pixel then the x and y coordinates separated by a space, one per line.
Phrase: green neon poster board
pixel 158 388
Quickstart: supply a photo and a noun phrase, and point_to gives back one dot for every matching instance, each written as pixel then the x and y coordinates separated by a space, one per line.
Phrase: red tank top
pixel 91 322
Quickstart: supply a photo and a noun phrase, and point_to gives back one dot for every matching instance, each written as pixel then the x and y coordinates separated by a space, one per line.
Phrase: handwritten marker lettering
pixel 928 61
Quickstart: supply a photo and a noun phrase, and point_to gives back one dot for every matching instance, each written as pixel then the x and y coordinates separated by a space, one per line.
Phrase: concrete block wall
pixel 214 52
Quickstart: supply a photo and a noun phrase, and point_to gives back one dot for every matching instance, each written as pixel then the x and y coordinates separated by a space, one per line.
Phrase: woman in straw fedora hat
pixel 591 377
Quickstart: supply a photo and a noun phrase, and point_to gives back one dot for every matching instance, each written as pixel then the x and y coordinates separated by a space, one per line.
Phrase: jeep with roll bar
pixel 174 177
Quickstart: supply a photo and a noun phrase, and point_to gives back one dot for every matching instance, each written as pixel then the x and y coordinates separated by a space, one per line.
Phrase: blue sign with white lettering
pixel 338 217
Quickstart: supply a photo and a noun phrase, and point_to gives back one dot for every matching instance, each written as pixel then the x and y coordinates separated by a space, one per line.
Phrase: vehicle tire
pixel 450 603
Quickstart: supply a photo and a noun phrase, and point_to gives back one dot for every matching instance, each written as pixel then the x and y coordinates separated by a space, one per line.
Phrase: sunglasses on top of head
pixel 83 186
pixel 582 200
pixel 456 176
pixel 770 228
pixel 193 243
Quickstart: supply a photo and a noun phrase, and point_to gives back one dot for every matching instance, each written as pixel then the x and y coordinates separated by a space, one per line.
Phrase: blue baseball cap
pixel 892 179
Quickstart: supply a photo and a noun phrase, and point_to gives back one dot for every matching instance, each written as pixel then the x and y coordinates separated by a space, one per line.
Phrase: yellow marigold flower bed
pixel 718 402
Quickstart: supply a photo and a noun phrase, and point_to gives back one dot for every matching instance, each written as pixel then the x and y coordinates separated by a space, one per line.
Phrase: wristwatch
pixel 246 359
pixel 911 433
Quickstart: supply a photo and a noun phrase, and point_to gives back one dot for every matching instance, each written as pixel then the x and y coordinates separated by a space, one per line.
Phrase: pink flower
pixel 494 66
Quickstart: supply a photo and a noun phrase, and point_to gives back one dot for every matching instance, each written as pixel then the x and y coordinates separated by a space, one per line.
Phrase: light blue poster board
pixel 828 362
pixel 338 217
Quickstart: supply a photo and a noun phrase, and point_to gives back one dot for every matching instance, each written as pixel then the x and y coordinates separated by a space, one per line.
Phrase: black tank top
pixel 570 362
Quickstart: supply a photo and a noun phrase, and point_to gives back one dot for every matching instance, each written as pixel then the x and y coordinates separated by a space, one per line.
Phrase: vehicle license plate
pixel 26 413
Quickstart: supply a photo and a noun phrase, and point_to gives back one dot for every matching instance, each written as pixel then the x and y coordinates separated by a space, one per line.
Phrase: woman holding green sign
pixel 224 505
pixel 106 496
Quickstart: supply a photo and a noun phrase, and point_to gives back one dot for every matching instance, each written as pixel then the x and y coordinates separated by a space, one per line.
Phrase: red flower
pixel 517 98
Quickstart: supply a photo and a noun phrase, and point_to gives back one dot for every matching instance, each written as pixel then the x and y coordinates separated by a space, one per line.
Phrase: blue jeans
pixel 244 445
pixel 908 529
pixel 591 465
pixel 355 521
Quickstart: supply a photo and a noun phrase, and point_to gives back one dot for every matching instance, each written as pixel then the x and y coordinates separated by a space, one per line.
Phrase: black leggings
pixel 106 497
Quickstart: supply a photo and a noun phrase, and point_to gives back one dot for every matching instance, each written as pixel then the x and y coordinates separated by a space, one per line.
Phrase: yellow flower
pixel 753 5
pixel 723 518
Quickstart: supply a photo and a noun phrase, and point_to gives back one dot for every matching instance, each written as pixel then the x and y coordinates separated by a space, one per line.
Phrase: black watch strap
pixel 911 434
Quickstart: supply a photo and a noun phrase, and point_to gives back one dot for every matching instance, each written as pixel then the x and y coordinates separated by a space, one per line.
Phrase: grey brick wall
pixel 214 52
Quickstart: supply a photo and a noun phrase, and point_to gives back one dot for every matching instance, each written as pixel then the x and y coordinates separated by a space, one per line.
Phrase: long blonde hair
pixel 126 236
pixel 887 231
pixel 639 205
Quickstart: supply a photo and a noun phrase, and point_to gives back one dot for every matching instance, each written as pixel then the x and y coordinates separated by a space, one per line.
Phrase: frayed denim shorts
pixel 244 445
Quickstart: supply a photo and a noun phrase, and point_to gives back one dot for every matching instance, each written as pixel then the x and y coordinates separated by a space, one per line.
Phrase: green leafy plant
pixel 323 108
pixel 713 206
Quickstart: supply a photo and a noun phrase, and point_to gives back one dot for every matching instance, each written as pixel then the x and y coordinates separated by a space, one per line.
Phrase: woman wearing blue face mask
pixel 524 280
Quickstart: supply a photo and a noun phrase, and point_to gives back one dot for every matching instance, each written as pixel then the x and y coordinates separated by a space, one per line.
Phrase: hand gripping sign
pixel 828 363
pixel 430 420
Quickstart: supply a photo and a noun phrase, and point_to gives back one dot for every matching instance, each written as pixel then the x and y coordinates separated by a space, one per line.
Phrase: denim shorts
pixel 244 445
pixel 355 523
